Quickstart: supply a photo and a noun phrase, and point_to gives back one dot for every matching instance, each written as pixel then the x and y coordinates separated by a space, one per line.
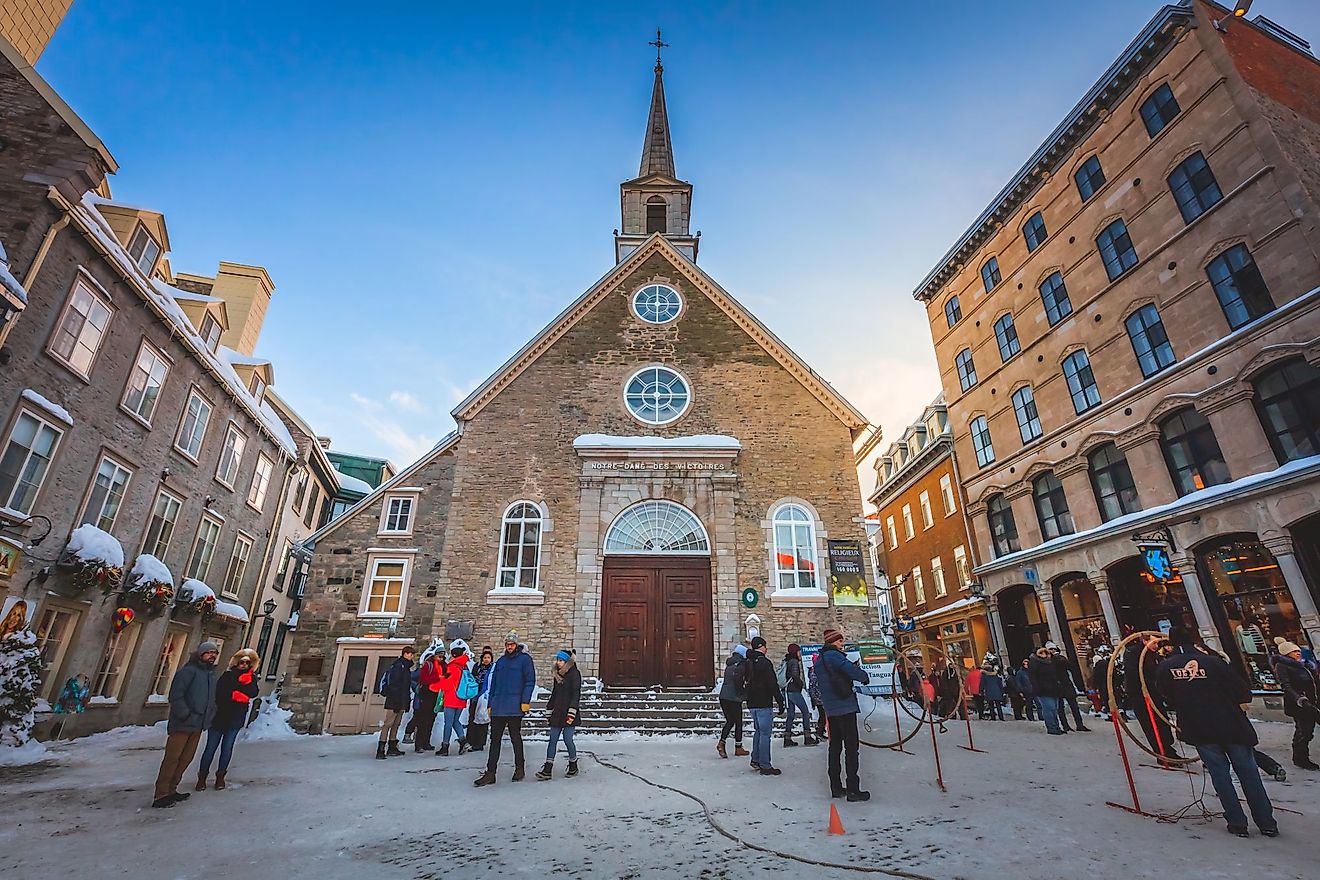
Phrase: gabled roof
pixel 657 243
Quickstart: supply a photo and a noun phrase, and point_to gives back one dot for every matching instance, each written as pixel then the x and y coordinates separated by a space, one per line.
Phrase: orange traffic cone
pixel 836 825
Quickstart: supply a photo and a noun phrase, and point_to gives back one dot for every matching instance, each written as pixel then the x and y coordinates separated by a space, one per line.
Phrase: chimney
pixel 247 291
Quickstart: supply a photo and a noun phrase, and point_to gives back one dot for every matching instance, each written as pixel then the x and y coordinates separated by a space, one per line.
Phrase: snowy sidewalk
pixel 323 807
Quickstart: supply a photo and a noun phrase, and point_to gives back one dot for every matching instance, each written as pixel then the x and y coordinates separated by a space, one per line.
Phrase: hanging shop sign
pixel 905 623
pixel 10 556
pixel 847 576
pixel 1157 561
pixel 750 597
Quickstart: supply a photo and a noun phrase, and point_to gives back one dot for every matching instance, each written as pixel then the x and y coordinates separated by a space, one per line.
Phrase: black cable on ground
pixel 756 847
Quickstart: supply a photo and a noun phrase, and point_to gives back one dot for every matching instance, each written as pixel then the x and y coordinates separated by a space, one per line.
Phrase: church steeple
pixel 656 201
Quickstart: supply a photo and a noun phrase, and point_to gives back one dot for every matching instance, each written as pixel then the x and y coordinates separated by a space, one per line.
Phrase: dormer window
pixel 211 333
pixel 257 387
pixel 143 249
pixel 657 215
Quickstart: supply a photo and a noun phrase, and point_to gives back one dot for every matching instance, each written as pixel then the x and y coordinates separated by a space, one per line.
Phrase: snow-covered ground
pixel 322 807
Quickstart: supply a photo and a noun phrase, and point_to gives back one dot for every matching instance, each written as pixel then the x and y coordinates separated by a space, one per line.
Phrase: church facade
pixel 652 478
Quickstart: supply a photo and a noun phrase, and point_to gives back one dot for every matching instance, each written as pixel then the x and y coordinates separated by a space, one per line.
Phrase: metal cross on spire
pixel 659 44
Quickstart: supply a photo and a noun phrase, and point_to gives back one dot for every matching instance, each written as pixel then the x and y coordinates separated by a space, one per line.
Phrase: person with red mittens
pixel 234 693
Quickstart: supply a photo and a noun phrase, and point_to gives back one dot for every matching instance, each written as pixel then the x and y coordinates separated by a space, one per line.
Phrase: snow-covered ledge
pixel 800 597
pixel 515 596
pixel 696 441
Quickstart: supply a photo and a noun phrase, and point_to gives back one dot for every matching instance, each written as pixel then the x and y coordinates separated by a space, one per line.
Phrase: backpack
pixel 736 675
pixel 781 674
pixel 467 686
pixel 380 685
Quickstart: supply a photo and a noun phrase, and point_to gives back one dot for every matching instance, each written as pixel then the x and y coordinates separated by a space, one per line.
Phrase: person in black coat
pixel 476 732
pixel 1208 697
pixel 1067 689
pixel 397 689
pixel 1298 680
pixel 1045 684
pixel 762 692
pixel 1158 734
pixel 796 684
pixel 564 706
pixel 1022 693
pixel 234 693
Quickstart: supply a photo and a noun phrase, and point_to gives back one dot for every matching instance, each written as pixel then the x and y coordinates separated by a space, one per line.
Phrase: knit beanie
pixel 511 636
pixel 1286 647
pixel 740 650
pixel 832 635
pixel 563 655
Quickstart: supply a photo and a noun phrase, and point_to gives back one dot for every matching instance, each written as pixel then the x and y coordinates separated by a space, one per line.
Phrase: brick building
pixel 1129 338
pixel 615 487
pixel 929 553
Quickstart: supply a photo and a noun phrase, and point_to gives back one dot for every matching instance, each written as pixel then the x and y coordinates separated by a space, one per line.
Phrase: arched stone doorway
pixel 656 613
pixel 1025 625
pixel 1142 602
pixel 1083 619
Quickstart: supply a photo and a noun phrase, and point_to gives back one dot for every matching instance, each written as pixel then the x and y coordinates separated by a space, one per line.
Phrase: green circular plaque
pixel 750 597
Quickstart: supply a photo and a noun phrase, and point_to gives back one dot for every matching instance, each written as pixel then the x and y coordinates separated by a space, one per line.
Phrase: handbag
pixel 482 715
pixel 467 686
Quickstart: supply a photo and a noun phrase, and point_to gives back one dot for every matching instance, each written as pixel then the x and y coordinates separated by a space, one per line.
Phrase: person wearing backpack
pixel 762 694
pixel 563 707
pixel 428 693
pixel 836 676
pixel 396 687
pixel 456 684
pixel 732 693
pixel 793 683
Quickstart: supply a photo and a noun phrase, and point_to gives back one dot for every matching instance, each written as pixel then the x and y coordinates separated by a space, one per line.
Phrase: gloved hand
pixel 240 697
pixel 246 677
pixel 572 716
pixel 526 707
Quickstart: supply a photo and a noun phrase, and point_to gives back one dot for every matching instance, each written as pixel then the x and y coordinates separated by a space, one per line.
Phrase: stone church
pixel 649 480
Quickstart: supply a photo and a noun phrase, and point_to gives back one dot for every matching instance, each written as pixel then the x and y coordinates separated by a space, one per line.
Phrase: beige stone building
pixel 29 24
pixel 1129 338
pixel 650 479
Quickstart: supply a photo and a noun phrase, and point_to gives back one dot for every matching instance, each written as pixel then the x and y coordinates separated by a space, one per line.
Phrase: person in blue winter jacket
pixel 509 688
pixel 836 676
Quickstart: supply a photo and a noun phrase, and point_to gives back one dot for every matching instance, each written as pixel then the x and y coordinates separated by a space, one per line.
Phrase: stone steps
pixel 648 712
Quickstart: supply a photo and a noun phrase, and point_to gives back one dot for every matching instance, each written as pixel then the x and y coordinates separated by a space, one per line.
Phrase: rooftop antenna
pixel 1239 11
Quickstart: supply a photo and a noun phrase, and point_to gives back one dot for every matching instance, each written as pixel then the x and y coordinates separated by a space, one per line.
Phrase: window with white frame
pixel 795 548
pixel 282 570
pixel 937 576
pixel 902 597
pixel 520 548
pixel 387 581
pixel 81 328
pixel 54 633
pixel 960 563
pixel 113 668
pixel 167 663
pixel 893 532
pixel 260 481
pixel 145 382
pixel 106 494
pixel 199 561
pixel 26 460
pixel 211 332
pixel 238 560
pixel 946 495
pixel 918 588
pixel 143 249
pixel 258 387
pixel 160 528
pixel 397 515
pixel 927 517
pixel 299 490
pixel 192 427
pixel 908 531
pixel 231 456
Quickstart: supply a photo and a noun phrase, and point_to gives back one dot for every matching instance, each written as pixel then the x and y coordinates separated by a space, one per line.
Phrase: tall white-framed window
pixel 203 551
pixel 231 456
pixel 520 547
pixel 300 490
pixel 238 561
pixel 192 427
pixel 937 576
pixel 54 634
pixel 902 597
pixel 960 563
pixel 892 531
pixel 927 517
pixel 946 495
pixel 160 528
pixel 908 531
pixel 167 663
pixel 795 548
pixel 397 515
pixel 145 382
pixel 81 328
pixel 386 589
pixel 106 494
pixel 113 668
pixel 26 460
pixel 144 250
pixel 918 588
pixel 261 476
pixel 282 570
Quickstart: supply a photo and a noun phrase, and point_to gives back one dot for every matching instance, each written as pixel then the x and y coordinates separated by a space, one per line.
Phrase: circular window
pixel 657 395
pixel 657 304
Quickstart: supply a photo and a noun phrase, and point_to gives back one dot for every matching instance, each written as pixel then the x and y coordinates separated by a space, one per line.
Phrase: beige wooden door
pixel 353 706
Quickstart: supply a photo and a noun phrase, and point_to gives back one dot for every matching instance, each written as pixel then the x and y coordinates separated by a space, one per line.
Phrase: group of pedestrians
pixel 203 701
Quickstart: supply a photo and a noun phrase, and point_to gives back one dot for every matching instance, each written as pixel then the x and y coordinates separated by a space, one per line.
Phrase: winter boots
pixel 858 795
pixel 220 780
pixel 380 750
pixel 809 740
pixel 463 746
pixel 487 778
pixel 201 781
pixel 1302 758
pixel 518 774
pixel 789 741
pixel 393 751
pixel 443 751
pixel 407 738
pixel 572 769
pixel 545 772
pixel 719 747
pixel 739 751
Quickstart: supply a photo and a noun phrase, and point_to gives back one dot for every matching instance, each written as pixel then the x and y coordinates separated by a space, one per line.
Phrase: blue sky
pixel 429 184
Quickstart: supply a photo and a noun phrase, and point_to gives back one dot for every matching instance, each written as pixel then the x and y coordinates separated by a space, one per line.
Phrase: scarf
pixel 562 672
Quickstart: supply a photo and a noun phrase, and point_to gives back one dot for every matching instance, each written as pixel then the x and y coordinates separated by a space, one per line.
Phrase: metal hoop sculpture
pixel 896 697
pixel 1117 713
pixel 927 716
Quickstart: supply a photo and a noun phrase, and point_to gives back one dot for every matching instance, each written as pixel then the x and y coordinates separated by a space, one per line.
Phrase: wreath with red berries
pixel 97 573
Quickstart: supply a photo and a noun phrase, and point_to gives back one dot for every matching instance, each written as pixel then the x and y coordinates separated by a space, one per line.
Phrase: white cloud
pixel 407 401
pixel 402 445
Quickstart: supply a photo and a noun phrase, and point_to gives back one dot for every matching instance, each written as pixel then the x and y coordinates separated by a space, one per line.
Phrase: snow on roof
pixel 147 568
pixel 232 611
pixel 696 441
pixel 192 296
pixel 7 278
pixel 952 606
pixel 54 409
pixel 88 543
pixel 192 590
pixel 237 357
pixel 353 484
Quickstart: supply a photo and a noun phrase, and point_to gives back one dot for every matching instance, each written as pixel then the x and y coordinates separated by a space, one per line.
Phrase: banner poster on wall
pixel 847 576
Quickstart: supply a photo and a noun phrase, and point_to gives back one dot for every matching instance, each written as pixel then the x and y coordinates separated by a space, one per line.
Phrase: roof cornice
pixel 917 466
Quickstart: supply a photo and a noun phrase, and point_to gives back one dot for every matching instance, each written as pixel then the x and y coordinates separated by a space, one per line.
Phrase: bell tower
pixel 656 200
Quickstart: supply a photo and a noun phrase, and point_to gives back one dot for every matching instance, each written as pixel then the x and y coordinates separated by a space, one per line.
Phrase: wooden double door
pixel 656 622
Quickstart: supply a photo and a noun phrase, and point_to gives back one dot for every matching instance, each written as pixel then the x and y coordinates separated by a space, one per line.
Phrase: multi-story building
pixel 358 475
pixel 1129 337
pixel 140 465
pixel 926 539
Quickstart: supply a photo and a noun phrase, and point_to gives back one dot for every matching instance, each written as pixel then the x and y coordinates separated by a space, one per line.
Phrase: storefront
pixel 1025 625
pixel 1144 602
pixel 1078 606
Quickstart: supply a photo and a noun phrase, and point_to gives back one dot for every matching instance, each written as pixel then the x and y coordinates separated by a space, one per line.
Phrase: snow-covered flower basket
pixel 20 671
pixel 97 559
pixel 197 597
pixel 151 583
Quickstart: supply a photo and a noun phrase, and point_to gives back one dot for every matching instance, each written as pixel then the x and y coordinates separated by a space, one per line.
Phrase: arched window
pixel 520 547
pixel 952 311
pixel 795 548
pixel 990 276
pixel 1054 295
pixel 1003 528
pixel 657 527
pixel 1111 478
pixel 1007 336
pixel 1089 178
pixel 1081 381
pixel 966 369
pixel 1033 231
pixel 657 215
pixel 985 450
pixel 1028 418
pixel 1192 452
pixel 1288 398
pixel 1239 286
pixel 1051 506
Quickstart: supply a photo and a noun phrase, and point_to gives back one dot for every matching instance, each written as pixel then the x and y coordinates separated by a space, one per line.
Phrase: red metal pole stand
pixel 1127 768
pixel 967 716
pixel 939 773
pixel 898 730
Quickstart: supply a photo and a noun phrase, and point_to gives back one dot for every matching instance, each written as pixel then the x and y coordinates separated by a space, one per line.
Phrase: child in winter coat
pixel 234 693
pixel 450 702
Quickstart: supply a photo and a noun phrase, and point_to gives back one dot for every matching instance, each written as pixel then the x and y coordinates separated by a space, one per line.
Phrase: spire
pixel 657 150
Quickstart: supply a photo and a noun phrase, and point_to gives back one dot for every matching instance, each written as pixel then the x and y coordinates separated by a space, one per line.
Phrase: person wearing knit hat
pixel 509 688
pixel 562 710
pixel 835 676
pixel 795 682
pixel 733 690
pixel 1297 677
pixel 192 706
pixel 762 694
